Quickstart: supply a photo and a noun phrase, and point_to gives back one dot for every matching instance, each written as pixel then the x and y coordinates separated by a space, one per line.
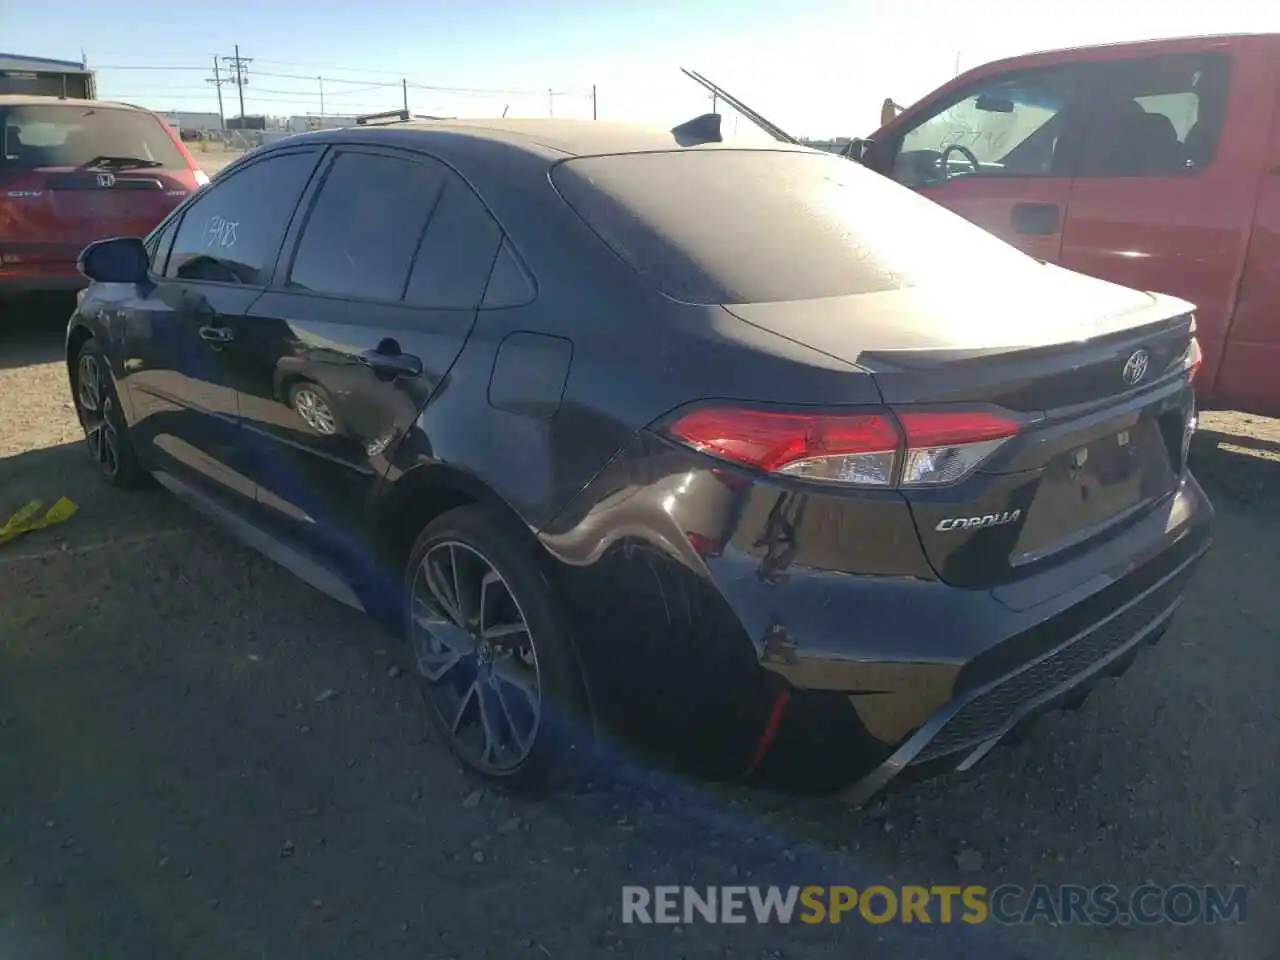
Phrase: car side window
pixel 1012 125
pixel 231 232
pixel 365 226
pixel 509 283
pixel 1159 116
pixel 158 245
pixel 457 252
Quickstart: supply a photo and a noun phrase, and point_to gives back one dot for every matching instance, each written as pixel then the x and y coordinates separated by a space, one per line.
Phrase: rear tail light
pixel 946 447
pixel 873 449
pixel 1194 358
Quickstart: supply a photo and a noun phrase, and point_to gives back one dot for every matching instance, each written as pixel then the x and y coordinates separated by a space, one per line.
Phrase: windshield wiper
pixel 120 163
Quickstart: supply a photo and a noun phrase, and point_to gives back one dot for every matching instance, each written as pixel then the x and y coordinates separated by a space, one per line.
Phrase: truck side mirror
pixel 866 152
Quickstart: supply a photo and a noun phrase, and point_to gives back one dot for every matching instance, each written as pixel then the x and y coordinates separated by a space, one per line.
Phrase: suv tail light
pixel 874 449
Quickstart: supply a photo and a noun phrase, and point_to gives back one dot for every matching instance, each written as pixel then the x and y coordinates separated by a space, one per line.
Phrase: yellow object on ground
pixel 28 518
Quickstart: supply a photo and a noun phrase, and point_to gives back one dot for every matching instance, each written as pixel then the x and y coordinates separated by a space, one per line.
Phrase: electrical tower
pixel 238 68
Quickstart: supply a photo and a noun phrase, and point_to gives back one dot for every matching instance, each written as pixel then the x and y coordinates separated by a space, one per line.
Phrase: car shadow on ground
pixel 31 331
pixel 1241 468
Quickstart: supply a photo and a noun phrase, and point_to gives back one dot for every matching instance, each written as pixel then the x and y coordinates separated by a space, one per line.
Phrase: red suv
pixel 75 171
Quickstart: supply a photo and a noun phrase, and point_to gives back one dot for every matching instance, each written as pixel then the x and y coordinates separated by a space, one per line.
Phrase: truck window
pixel 1009 125
pixel 1159 116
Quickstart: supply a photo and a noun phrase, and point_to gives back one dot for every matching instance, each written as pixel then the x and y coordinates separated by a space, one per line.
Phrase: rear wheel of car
pixel 105 431
pixel 495 660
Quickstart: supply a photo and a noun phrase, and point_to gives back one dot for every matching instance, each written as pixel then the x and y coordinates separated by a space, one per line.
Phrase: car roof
pixel 34 100
pixel 552 139
pixel 1123 48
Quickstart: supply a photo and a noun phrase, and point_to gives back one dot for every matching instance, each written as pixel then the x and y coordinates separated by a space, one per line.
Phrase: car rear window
pixel 761 226
pixel 65 135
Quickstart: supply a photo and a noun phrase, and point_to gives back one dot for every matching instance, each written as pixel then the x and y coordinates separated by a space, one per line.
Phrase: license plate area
pixel 1090 487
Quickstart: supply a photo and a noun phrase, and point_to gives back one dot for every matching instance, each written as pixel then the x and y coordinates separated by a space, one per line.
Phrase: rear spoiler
pixel 767 126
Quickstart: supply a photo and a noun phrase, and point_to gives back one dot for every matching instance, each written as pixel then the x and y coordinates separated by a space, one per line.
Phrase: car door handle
pixel 217 334
pixel 387 360
pixel 1036 219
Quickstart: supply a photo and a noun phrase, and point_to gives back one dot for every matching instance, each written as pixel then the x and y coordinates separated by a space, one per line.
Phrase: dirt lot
pixel 212 157
pixel 202 757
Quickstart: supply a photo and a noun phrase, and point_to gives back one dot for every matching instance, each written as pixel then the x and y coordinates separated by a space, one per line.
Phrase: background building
pixel 44 77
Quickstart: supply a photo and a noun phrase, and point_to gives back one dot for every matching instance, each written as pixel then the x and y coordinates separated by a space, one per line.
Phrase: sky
pixel 818 68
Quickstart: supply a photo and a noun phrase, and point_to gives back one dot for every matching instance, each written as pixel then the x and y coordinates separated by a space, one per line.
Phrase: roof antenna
pixel 505 108
pixel 701 129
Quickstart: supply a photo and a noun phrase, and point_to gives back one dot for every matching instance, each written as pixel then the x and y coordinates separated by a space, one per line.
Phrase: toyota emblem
pixel 1135 368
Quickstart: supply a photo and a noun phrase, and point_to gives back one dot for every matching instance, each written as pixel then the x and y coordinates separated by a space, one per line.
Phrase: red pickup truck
pixel 1152 164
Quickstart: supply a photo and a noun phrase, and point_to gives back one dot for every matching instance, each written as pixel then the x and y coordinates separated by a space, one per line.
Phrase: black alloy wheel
pixel 473 647
pixel 96 405
pixel 498 671
pixel 105 432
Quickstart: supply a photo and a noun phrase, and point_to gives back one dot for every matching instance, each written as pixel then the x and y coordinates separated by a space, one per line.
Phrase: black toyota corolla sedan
pixel 632 428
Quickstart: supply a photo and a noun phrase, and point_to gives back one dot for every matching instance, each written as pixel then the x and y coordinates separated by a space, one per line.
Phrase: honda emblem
pixel 106 180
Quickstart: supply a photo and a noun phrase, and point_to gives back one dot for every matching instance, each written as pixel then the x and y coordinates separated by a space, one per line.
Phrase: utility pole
pixel 239 66
pixel 957 73
pixel 218 80
pixel 321 79
pixel 715 101
pixel 404 90
pixel 594 115
pixel 551 103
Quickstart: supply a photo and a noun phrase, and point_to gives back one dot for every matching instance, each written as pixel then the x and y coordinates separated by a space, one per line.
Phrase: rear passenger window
pixel 509 284
pixel 457 253
pixel 368 220
pixel 1160 116
pixel 231 233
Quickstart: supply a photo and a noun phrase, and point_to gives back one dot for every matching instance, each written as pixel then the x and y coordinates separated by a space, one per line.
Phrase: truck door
pixel 1167 180
pixel 1247 376
pixel 1000 152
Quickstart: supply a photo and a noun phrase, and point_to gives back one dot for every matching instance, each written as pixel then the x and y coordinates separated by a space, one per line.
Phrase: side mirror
pixel 117 260
pixel 855 149
pixel 866 152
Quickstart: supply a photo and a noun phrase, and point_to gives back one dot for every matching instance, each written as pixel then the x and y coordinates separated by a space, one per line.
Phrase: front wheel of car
pixel 105 431
pixel 495 660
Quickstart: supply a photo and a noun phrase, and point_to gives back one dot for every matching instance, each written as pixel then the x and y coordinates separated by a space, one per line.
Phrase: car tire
pixel 314 407
pixel 476 688
pixel 102 419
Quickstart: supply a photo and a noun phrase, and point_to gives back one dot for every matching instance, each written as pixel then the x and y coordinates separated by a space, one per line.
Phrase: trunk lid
pixel 1094 449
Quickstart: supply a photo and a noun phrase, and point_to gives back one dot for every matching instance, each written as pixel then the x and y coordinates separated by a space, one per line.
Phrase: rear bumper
pixel 963 731
pixel 830 597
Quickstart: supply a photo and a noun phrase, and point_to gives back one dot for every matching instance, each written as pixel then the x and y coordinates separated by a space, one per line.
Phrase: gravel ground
pixel 214 157
pixel 202 757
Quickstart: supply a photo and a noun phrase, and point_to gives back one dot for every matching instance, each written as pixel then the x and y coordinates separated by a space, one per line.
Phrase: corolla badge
pixel 1135 368
pixel 978 523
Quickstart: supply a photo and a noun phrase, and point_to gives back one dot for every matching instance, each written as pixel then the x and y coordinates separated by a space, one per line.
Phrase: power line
pixel 311 77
